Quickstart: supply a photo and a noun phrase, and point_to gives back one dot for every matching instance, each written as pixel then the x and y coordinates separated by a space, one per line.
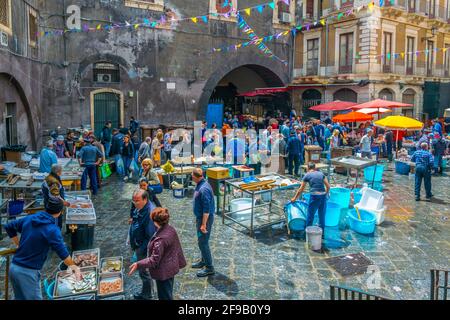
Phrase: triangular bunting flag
pixel 272 5
pixel 136 26
pixel 260 9
pixel 194 19
pixel 322 22
pixel 99 27
pixel 205 19
pixel 247 11
pixel 402 54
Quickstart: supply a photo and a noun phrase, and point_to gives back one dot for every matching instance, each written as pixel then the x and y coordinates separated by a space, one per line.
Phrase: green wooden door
pixel 106 107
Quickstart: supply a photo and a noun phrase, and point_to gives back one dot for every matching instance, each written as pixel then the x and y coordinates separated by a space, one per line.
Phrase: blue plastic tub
pixel 306 197
pixel 341 196
pixel 15 207
pixel 369 171
pixel 357 195
pixel 296 216
pixel 402 168
pixel 179 193
pixel 332 214
pixel 364 226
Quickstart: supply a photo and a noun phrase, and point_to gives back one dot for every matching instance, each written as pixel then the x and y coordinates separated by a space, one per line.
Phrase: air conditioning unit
pixel 106 78
pixel 4 39
pixel 286 17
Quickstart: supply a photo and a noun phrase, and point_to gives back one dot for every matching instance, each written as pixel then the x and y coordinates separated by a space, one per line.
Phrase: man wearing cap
pixel 47 158
pixel 437 127
pixel 52 187
pixel 60 148
pixel 38 233
pixel 89 158
pixel 366 143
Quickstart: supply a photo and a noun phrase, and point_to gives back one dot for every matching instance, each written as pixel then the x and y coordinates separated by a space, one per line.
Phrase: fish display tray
pixel 104 261
pixel 80 216
pixel 95 252
pixel 66 284
pixel 110 278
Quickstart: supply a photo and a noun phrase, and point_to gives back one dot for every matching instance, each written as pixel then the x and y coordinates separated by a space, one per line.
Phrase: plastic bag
pixel 134 168
pixel 120 167
pixel 105 170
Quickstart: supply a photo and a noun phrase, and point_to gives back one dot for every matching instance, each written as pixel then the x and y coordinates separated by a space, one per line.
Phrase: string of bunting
pixel 257 41
pixel 162 21
pixel 307 26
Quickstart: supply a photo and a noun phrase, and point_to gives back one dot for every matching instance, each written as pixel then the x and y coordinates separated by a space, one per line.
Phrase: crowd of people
pixel 158 254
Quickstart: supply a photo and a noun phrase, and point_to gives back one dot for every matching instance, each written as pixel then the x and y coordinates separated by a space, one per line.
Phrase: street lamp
pixel 433 33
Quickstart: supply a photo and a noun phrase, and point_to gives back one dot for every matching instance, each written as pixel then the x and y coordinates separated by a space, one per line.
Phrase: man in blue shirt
pixel 236 149
pixel 204 209
pixel 424 162
pixel 38 233
pixel 294 149
pixel 319 131
pixel 47 158
pixel 89 158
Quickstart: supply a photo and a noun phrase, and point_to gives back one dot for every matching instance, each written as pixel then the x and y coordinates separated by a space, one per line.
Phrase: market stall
pixel 257 201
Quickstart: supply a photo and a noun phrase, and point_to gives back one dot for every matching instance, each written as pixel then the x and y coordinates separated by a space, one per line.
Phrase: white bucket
pixel 241 204
pixel 314 238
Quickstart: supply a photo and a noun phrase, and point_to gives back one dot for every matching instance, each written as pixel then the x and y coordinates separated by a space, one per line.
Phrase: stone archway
pixel 272 74
pixel 20 93
pixel 386 94
pixel 346 95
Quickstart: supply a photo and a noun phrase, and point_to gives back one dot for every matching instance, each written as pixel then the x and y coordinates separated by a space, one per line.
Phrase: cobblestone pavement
pixel 414 239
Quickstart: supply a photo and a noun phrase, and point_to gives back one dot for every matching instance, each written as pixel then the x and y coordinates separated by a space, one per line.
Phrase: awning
pixel 263 92
pixel 334 106
pixel 380 103
pixel 352 117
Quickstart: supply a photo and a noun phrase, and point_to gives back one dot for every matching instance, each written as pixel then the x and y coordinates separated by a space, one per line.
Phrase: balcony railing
pixel 420 7
pixel 387 68
pixel 345 69
pixel 312 68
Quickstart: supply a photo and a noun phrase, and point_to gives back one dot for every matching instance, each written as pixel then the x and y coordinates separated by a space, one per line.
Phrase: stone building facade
pixel 163 75
pixel 374 52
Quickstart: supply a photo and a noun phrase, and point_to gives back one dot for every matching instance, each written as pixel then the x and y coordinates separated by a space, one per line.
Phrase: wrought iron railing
pixel 342 293
pixel 439 284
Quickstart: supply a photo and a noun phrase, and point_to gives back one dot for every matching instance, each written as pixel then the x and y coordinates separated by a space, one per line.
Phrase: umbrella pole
pixel 396 146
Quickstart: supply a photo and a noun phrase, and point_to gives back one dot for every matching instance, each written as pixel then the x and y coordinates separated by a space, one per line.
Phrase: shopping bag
pixel 120 167
pixel 134 168
pixel 105 170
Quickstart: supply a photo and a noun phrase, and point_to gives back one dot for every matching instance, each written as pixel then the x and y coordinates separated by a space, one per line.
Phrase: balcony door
pixel 346 53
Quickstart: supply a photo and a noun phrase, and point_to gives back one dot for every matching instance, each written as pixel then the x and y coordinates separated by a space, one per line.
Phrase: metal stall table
pixel 355 163
pixel 268 212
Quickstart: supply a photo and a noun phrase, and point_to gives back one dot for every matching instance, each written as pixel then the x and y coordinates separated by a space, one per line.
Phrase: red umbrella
pixel 353 117
pixel 380 103
pixel 334 106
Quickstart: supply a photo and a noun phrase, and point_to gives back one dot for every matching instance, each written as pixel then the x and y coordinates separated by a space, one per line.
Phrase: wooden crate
pixel 218 173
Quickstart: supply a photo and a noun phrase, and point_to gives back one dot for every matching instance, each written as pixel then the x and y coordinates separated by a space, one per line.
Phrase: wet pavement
pixel 414 238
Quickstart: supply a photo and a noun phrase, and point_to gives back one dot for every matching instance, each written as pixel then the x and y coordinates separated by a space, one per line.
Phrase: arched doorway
pixel 225 95
pixel 16 117
pixel 106 104
pixel 408 96
pixel 346 95
pixel 311 98
pixel 386 94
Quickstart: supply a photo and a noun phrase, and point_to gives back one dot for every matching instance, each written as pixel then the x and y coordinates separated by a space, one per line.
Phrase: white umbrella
pixel 374 111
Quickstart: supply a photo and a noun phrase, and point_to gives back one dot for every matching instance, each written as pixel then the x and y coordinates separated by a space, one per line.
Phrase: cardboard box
pixel 218 173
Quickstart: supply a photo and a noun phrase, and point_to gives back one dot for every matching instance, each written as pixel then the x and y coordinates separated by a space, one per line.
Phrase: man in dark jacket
pixel 439 147
pixel 141 231
pixel 294 149
pixel 38 233
pixel 204 209
pixel 106 137
pixel 116 142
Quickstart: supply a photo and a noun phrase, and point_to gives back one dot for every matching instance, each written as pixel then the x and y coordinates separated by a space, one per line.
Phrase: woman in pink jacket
pixel 165 256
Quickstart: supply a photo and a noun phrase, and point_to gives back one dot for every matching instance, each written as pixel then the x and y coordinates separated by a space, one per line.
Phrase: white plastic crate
pixel 371 199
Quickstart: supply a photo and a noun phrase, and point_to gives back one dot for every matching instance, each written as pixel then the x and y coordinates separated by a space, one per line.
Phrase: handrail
pixel 7 253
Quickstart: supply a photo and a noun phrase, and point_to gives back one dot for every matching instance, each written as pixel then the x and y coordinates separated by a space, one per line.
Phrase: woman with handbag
pixel 127 155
